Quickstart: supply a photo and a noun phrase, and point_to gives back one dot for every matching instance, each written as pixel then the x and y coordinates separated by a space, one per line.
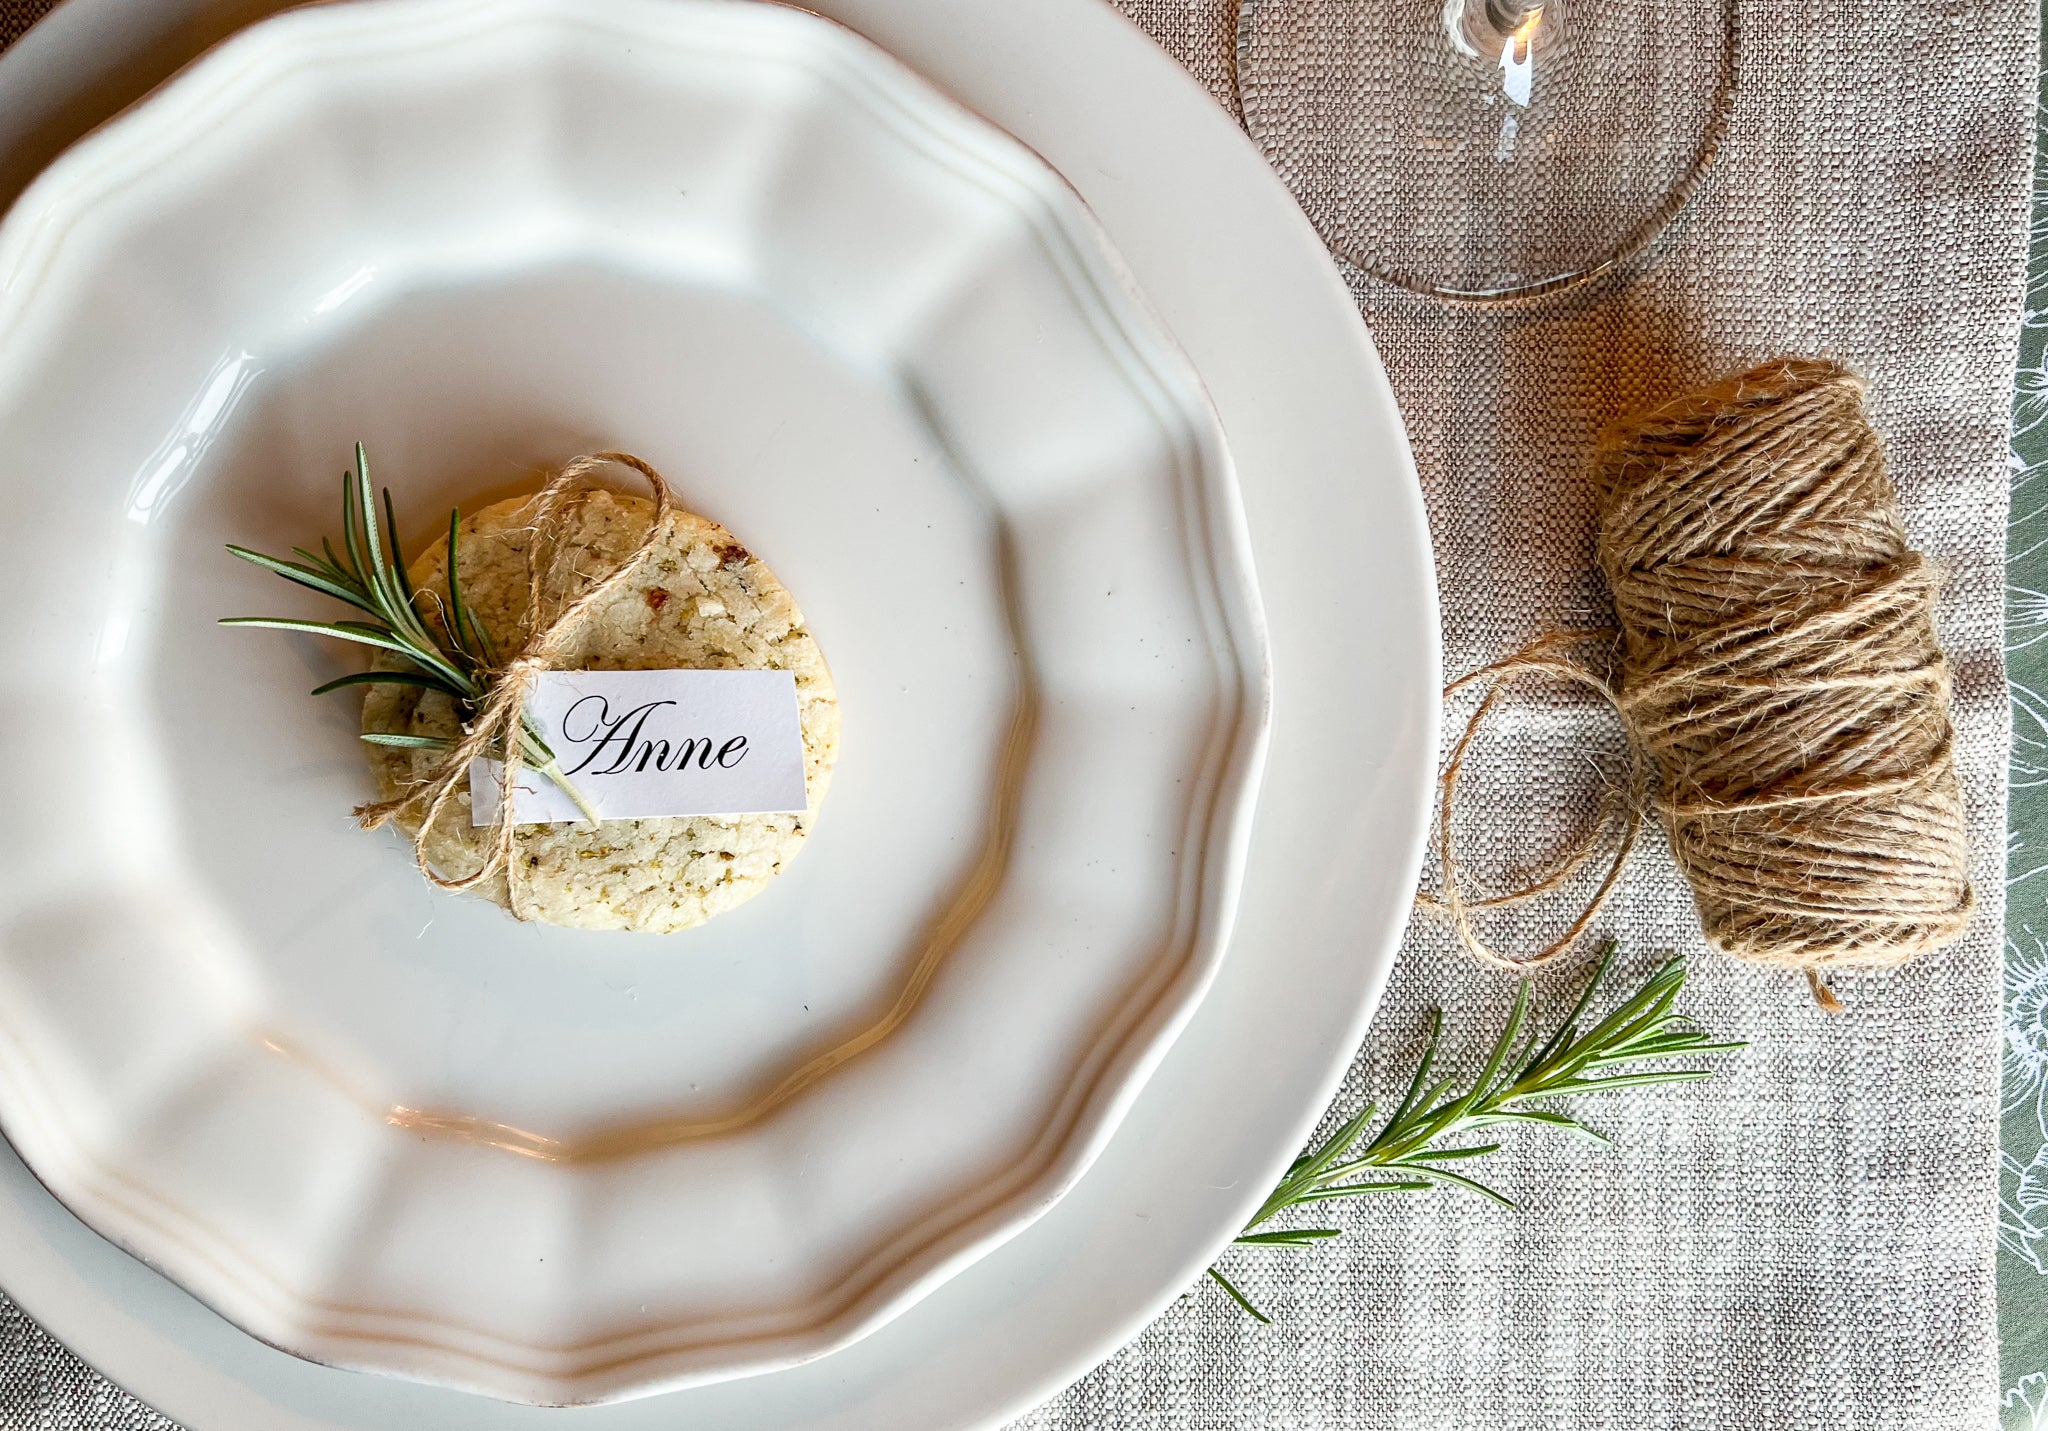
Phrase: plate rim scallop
pixel 60 198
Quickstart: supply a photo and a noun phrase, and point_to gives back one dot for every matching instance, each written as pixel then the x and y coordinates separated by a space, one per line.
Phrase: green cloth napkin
pixel 2023 1185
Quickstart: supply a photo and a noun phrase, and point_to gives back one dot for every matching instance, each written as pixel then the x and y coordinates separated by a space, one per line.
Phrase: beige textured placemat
pixel 1807 1242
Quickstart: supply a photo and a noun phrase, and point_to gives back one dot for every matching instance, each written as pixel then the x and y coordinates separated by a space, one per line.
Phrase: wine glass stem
pixel 1512 30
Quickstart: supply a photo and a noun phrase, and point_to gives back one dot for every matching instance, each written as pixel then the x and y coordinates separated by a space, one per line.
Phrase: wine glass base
pixel 1437 162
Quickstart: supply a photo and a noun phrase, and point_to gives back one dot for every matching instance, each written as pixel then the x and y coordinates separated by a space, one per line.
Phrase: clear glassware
pixel 1489 151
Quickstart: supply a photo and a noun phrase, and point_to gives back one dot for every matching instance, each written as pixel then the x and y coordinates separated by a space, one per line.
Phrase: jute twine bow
pixel 1779 673
pixel 495 727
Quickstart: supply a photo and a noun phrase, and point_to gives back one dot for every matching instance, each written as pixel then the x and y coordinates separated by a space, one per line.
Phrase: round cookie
pixel 698 600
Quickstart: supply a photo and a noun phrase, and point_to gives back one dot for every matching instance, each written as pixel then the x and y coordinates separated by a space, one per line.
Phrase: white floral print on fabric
pixel 2023 1156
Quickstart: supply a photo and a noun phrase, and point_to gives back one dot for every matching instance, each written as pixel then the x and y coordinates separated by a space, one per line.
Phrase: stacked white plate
pixel 1032 469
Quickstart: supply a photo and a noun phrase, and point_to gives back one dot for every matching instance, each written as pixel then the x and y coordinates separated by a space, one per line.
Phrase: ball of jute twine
pixel 1779 677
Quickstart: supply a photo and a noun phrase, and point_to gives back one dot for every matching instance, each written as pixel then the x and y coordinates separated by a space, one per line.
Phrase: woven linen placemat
pixel 1808 1240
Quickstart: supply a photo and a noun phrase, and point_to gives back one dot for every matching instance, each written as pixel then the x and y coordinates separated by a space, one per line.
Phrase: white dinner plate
pixel 883 343
pixel 1336 523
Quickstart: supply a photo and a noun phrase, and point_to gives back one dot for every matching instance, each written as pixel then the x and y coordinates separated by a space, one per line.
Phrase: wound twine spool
pixel 1779 674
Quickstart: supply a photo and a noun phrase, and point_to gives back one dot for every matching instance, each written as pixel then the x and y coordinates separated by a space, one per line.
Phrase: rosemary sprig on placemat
pixel 1413 1152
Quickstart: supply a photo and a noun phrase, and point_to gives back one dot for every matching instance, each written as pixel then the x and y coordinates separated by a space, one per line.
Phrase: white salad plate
pixel 881 341
pixel 1336 525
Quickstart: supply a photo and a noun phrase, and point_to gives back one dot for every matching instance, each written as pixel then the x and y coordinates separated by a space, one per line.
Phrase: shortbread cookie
pixel 699 600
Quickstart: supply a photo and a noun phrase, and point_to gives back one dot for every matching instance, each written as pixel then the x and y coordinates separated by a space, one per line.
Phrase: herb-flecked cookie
pixel 698 600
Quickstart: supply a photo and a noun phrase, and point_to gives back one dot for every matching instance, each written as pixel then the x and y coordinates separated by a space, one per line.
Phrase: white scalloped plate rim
pixel 203 1261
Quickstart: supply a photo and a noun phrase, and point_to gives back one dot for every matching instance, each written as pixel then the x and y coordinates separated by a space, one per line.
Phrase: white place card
pixel 643 744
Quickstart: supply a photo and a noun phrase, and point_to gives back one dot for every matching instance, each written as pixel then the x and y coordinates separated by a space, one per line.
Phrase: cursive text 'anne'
pixel 592 729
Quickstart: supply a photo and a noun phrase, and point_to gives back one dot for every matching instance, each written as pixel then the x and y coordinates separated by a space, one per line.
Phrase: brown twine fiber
pixel 1619 821
pixel 494 727
pixel 1779 673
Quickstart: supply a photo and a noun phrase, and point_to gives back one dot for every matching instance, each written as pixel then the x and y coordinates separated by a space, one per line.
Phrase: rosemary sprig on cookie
pixel 1418 1148
pixel 369 574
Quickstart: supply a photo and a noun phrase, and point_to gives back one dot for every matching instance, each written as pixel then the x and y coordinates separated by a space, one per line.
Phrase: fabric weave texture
pixel 1805 1241
pixel 1808 1240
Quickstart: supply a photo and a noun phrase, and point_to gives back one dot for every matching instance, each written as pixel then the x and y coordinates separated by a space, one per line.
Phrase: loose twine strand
pixel 1779 677
pixel 1617 824
pixel 496 725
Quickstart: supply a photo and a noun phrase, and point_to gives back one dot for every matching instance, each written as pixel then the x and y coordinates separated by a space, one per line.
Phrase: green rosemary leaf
pixel 1546 1117
pixel 1238 1297
pixel 1707 1045
pixel 1626 1020
pixel 1340 1190
pixel 387 584
pixel 463 626
pixel 1298 1238
pixel 1665 1047
pixel 455 617
pixel 357 631
pixel 1452 1154
pixel 423 679
pixel 1496 1062
pixel 1627 1080
pixel 307 576
pixel 316 561
pixel 1313 1165
pixel 1647 1023
pixel 1459 1180
pixel 1521 1067
pixel 1333 1148
pixel 352 537
pixel 1668 1033
pixel 397 550
pixel 1422 1068
pixel 377 567
pixel 1570 1023
pixel 407 742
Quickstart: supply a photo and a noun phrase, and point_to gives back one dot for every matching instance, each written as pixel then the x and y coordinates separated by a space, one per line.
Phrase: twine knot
pixel 498 727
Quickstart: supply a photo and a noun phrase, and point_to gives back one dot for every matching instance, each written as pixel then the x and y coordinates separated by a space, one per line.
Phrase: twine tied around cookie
pixel 1779 673
pixel 495 726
